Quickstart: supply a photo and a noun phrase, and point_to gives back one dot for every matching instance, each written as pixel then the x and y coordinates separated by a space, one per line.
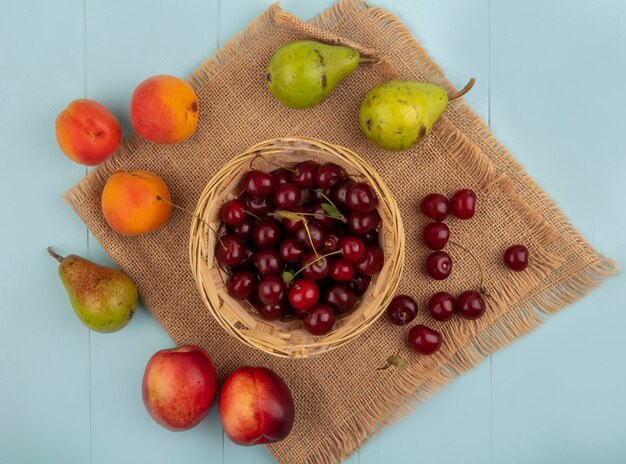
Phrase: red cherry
pixel 303 294
pixel 362 223
pixel 243 230
pixel 436 235
pixel 299 313
pixel 341 270
pixel 271 290
pixel 281 176
pixel 315 267
pixel 319 319
pixel 316 238
pixel 464 204
pixel 267 261
pixel 232 213
pixel 258 183
pixel 402 309
pixel 304 175
pixel 329 174
pixel 436 207
pixel 331 242
pixel 272 312
pixel 241 285
pixel 316 194
pixel 352 248
pixel 266 233
pixel 441 306
pixel 340 298
pixel 470 305
pixel 259 206
pixel 287 196
pixel 361 198
pixel 291 250
pixel 229 250
pixel 321 216
pixel 359 284
pixel 340 193
pixel 371 262
pixel 439 265
pixel 293 224
pixel 516 257
pixel 246 263
pixel 424 340
pixel 370 237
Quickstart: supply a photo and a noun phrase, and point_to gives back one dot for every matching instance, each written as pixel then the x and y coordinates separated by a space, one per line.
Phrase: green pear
pixel 397 115
pixel 104 299
pixel 303 73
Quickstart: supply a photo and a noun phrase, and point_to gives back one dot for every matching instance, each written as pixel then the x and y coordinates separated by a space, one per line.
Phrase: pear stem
pixel 368 60
pixel 56 256
pixel 463 91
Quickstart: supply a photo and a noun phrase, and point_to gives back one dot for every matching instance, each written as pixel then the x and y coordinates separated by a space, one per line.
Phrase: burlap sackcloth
pixel 341 399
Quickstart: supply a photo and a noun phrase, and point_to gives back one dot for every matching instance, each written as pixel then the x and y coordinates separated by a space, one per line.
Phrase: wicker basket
pixel 288 338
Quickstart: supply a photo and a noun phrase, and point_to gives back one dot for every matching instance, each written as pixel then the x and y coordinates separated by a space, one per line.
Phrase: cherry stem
pixel 305 223
pixel 258 155
pixel 463 91
pixel 337 252
pixel 343 218
pixel 482 289
pixel 396 360
pixel 252 214
pixel 160 198
pixel 56 256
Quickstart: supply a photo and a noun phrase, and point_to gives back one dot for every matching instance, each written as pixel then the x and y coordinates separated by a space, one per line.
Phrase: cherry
pixel 293 225
pixel 331 242
pixel 439 265
pixel 516 257
pixel 303 294
pixel 232 213
pixel 329 174
pixel 370 237
pixel 304 175
pixel 259 206
pixel 339 297
pixel 352 248
pixel 271 289
pixel 299 313
pixel 470 305
pixel 229 251
pixel 241 285
pixel 464 204
pixel 340 193
pixel 402 309
pixel 371 262
pixel 436 235
pixel 272 312
pixel 321 216
pixel 424 340
pixel 317 235
pixel 359 284
pixel 361 198
pixel 291 250
pixel 436 207
pixel 266 233
pixel 243 230
pixel 319 319
pixel 315 267
pixel 341 270
pixel 318 194
pixel 281 176
pixel 441 306
pixel 246 262
pixel 362 223
pixel 268 262
pixel 258 183
pixel 287 196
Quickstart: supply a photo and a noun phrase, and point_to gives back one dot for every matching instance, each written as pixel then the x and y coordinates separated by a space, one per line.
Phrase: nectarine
pixel 130 202
pixel 164 109
pixel 87 132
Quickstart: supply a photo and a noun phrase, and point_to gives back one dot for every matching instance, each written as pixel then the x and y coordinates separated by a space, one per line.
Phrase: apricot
pixel 88 132
pixel 131 204
pixel 164 109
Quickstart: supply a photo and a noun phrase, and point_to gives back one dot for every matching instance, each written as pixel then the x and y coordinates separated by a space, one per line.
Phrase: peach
pixel 179 386
pixel 87 132
pixel 255 406
pixel 131 204
pixel 164 109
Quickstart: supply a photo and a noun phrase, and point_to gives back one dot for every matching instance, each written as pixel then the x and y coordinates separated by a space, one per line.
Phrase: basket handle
pixel 283 18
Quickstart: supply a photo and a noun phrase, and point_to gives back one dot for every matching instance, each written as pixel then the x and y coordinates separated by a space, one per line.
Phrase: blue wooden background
pixel 551 84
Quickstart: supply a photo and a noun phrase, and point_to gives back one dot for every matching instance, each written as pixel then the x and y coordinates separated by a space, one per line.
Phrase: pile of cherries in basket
pixel 442 306
pixel 301 240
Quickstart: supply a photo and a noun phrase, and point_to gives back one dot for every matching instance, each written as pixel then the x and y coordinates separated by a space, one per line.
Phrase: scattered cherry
pixel 266 233
pixel 319 319
pixel 424 340
pixel 516 257
pixel 352 248
pixel 291 250
pixel 242 285
pixel 371 262
pixel 303 294
pixel 402 309
pixel 361 198
pixel 272 312
pixel 304 174
pixel 341 270
pixel 232 213
pixel 441 306
pixel 464 204
pixel 329 174
pixel 229 250
pixel 436 235
pixel 271 289
pixel 436 207
pixel 267 261
pixel 315 267
pixel 439 265
pixel 340 298
pixel 362 223
pixel 259 183
pixel 470 305
pixel 287 196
